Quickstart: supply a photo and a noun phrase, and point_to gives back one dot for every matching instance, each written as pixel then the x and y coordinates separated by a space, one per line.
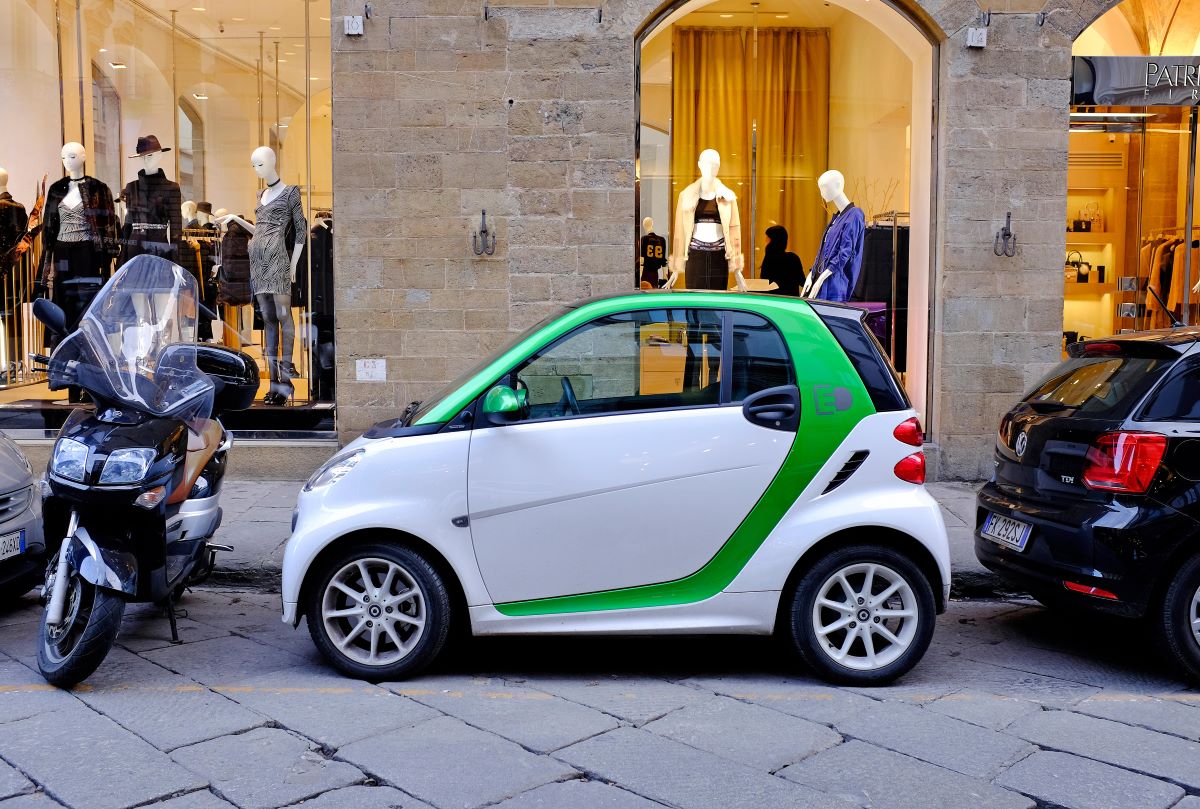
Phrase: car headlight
pixel 127 465
pixel 69 459
pixel 334 469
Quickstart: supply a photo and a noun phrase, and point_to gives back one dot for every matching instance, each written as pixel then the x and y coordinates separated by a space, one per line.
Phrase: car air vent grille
pixel 13 503
pixel 848 469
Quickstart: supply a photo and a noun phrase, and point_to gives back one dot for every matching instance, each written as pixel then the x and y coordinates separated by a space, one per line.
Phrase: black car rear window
pixel 867 356
pixel 1098 387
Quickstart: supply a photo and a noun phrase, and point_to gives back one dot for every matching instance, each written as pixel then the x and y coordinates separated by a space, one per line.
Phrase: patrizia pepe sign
pixel 1136 81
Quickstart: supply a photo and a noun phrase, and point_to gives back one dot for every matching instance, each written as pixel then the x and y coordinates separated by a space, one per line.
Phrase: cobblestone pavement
pixel 1014 706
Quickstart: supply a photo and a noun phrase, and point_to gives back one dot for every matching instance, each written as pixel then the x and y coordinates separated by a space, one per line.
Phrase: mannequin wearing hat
pixel 153 206
pixel 279 233
pixel 79 236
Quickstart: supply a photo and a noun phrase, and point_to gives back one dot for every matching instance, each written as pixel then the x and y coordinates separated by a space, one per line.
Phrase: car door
pixel 639 466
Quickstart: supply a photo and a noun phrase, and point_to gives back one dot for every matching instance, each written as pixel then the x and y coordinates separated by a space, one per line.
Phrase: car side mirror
pixel 503 405
pixel 51 314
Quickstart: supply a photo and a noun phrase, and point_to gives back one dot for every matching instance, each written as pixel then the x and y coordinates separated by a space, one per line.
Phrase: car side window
pixel 1178 399
pixel 642 360
pixel 760 357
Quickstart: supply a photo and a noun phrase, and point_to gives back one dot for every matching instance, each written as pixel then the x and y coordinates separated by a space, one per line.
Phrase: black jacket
pixel 153 219
pixel 98 209
pixel 13 221
pixel 233 280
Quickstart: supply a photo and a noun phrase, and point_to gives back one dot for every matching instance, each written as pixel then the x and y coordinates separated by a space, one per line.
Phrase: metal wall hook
pixel 1006 240
pixel 483 241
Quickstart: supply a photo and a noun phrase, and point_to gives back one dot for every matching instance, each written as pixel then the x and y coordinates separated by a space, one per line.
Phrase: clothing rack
pixel 882 220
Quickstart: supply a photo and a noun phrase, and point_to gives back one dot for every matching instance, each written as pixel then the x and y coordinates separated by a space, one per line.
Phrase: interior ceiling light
pixel 781 16
pixel 275 28
pixel 199 8
pixel 726 16
pixel 238 19
pixel 117 65
pixel 282 61
pixel 1112 115
pixel 200 96
pixel 326 19
pixel 104 50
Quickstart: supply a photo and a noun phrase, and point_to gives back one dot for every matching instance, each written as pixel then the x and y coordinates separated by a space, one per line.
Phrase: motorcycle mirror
pixel 51 314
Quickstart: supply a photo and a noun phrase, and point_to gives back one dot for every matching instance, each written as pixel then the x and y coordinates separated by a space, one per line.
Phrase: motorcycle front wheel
pixel 71 651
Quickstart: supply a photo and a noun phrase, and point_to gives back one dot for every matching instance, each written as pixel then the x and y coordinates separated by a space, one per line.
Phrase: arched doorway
pixel 784 92
pixel 1131 198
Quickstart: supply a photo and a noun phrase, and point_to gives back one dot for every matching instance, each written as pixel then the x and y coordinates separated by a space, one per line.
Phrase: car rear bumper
pixel 1112 548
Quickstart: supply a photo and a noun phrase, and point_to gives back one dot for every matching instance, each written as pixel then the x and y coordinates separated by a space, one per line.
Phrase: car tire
pixel 829 604
pixel 1179 620
pixel 379 635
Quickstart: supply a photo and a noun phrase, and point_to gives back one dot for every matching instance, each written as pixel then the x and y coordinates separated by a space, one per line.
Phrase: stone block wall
pixel 529 114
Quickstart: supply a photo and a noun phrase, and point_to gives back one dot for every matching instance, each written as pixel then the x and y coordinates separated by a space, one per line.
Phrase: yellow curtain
pixel 720 91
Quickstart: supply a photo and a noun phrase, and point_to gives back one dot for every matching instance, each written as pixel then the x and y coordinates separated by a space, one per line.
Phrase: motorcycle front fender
pixel 104 567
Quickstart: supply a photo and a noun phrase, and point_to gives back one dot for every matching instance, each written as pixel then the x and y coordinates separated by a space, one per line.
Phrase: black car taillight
pixel 1124 461
pixel 1005 424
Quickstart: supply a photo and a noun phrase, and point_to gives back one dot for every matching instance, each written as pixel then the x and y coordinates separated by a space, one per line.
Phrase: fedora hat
pixel 206 207
pixel 148 144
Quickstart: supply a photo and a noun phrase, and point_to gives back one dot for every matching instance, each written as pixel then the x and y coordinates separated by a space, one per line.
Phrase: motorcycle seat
pixel 202 445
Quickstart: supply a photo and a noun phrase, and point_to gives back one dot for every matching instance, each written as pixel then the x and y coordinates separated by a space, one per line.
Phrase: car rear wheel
pixel 1180 618
pixel 862 615
pixel 379 612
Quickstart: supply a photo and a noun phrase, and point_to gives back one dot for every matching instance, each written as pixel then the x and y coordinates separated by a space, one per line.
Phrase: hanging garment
pixel 101 221
pixel 1179 283
pixel 780 267
pixel 153 221
pixel 277 226
pixel 233 279
pixel 841 253
pixel 13 221
pixel 1159 282
pixel 653 252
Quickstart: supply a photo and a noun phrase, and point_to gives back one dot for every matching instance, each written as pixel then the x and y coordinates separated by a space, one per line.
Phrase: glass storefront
pixel 743 107
pixel 160 112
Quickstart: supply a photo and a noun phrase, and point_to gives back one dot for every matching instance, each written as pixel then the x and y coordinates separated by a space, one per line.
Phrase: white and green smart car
pixel 655 462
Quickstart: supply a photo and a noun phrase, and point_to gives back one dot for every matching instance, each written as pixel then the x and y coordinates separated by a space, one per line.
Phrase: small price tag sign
pixel 371 370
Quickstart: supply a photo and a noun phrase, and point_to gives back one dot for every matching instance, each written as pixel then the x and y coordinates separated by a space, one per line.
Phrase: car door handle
pixel 772 410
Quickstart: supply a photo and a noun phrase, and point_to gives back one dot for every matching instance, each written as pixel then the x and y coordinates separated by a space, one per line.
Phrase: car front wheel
pixel 379 612
pixel 1180 618
pixel 862 615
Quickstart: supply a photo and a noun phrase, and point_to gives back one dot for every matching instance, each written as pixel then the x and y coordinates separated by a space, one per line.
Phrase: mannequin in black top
pixel 779 266
pixel 653 254
pixel 153 219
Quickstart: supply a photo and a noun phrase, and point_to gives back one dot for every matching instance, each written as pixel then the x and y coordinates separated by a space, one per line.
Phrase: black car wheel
pixel 1180 618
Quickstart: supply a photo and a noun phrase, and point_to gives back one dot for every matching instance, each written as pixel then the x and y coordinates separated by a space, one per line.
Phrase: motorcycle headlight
pixel 69 459
pixel 334 469
pixel 127 465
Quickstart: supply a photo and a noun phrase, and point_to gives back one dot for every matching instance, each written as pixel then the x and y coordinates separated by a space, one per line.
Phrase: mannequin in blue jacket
pixel 839 258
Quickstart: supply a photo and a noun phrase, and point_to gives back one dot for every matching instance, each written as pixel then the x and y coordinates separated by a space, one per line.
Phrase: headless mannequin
pixel 709 164
pixel 276 307
pixel 832 186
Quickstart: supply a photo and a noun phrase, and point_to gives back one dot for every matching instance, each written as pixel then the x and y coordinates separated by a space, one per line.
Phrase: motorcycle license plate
pixel 12 545
pixel 1007 531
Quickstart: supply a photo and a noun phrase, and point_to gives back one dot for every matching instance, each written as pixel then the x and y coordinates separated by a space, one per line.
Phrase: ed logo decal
pixel 828 400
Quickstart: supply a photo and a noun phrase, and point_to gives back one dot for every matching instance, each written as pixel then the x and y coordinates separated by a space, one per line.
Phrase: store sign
pixel 1136 81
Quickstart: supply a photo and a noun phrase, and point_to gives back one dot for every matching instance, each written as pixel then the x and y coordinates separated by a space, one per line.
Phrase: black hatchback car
pixel 1095 498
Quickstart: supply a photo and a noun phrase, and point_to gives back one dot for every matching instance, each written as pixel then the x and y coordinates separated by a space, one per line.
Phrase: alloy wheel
pixel 1193 615
pixel 865 616
pixel 61 640
pixel 373 611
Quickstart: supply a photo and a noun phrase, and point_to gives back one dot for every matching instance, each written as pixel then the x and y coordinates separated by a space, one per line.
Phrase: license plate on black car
pixel 1007 531
pixel 12 545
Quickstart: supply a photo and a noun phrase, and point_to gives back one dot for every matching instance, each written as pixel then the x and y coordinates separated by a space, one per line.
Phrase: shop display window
pixel 157 113
pixel 773 140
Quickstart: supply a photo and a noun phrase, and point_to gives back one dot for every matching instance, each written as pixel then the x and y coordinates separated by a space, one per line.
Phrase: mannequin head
pixel 263 160
pixel 74 156
pixel 204 213
pixel 833 188
pixel 3 179
pixel 709 164
pixel 219 212
pixel 188 209
pixel 151 162
pixel 647 223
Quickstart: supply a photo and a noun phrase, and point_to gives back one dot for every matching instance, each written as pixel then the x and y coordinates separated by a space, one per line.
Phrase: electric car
pixel 652 462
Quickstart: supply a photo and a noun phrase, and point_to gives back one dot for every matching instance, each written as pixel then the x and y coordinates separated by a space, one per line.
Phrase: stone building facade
pixel 529 113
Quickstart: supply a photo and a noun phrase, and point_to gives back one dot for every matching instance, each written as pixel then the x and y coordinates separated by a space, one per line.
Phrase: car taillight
pixel 912 468
pixel 1005 424
pixel 1124 461
pixel 910 432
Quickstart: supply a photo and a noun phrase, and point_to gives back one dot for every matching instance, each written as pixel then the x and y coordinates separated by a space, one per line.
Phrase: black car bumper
pixel 1121 548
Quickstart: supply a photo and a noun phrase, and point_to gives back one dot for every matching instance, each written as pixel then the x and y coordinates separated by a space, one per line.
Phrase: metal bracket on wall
pixel 483 241
pixel 1006 240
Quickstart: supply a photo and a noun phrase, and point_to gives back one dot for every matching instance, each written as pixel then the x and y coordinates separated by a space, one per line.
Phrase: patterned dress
pixel 270 258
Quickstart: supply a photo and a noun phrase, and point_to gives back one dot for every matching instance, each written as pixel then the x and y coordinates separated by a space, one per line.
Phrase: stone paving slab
pixel 1162 715
pixel 36 801
pixel 12 782
pixel 110 768
pixel 881 779
pixel 266 768
pixel 23 693
pixel 1071 782
pixel 1111 742
pixel 228 660
pixel 203 799
pixel 450 764
pixel 678 775
pixel 981 708
pixel 807 699
pixel 578 794
pixel 750 734
pixel 633 699
pixel 362 797
pixel 533 719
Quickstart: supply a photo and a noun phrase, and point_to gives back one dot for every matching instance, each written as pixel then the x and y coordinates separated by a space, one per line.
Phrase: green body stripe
pixel 821 367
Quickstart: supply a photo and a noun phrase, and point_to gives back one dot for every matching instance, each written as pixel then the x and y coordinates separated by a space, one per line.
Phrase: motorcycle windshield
pixel 134 346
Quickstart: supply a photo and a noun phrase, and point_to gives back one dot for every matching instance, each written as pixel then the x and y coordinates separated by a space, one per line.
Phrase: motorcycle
pixel 134 481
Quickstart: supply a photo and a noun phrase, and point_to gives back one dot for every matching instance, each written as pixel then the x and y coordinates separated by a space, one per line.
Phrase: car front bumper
pixel 30 564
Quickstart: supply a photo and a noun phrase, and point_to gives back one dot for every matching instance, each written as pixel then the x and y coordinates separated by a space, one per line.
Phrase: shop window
pixel 167 114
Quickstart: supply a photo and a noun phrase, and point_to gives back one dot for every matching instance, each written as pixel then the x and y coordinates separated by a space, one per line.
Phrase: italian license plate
pixel 1007 531
pixel 12 545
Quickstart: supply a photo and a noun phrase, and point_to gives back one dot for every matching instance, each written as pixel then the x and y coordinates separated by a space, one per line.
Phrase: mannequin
pixel 707 239
pixel 79 236
pixel 204 215
pixel 188 209
pixel 653 255
pixel 278 240
pixel 13 221
pixel 153 218
pixel 839 258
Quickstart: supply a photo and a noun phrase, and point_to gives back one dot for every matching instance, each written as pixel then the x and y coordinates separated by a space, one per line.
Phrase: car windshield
pixel 1097 387
pixel 133 345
